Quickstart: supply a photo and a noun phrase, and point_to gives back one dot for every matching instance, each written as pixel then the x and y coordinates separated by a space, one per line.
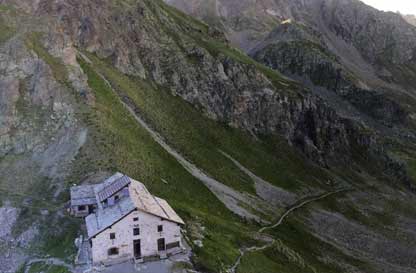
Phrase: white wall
pixel 124 237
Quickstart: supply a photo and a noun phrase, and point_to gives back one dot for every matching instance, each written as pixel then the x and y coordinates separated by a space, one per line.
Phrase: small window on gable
pixel 136 231
pixel 116 198
pixel 159 228
pixel 135 219
pixel 81 208
pixel 112 236
pixel 113 251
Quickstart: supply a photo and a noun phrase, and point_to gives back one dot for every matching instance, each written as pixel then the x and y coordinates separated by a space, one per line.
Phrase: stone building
pixel 125 221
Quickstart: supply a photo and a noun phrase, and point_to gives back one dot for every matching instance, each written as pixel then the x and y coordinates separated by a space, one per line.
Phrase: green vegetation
pixel 294 255
pixel 271 261
pixel 59 242
pixel 60 73
pixel 45 268
pixel 6 32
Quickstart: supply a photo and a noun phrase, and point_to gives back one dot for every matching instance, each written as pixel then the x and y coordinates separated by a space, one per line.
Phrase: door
pixel 161 244
pixel 137 249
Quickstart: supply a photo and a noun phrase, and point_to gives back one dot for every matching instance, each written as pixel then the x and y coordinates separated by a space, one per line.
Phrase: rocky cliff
pixel 359 60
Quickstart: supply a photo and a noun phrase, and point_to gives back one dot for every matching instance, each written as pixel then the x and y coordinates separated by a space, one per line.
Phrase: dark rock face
pixel 362 54
pixel 317 64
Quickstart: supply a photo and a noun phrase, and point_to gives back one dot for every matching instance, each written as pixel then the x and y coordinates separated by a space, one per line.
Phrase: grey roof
pixel 114 187
pixel 107 182
pixel 139 198
pixel 83 195
pixel 105 218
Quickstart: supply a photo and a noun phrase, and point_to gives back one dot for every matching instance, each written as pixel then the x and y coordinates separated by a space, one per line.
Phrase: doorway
pixel 161 244
pixel 137 249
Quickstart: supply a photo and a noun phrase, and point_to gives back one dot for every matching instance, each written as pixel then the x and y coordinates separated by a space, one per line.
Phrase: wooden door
pixel 161 244
pixel 137 249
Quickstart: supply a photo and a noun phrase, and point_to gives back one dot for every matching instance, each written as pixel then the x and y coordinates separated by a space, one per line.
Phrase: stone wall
pixel 124 237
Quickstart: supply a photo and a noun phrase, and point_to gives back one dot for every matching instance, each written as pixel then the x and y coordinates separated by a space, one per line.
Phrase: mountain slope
pixel 83 84
pixel 358 60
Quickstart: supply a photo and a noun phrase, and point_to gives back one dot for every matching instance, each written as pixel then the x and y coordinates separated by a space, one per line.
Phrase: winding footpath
pixel 231 198
pixel 244 251
pixel 48 261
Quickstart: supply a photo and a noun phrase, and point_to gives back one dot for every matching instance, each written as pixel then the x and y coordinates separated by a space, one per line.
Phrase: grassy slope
pixel 291 254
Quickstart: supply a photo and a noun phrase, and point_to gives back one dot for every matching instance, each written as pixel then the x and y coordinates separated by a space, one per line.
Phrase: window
pixel 135 219
pixel 113 251
pixel 112 236
pixel 81 208
pixel 159 228
pixel 136 231
pixel 172 245
pixel 116 198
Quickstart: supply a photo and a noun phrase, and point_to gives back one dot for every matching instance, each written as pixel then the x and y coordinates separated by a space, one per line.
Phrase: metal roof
pixel 105 218
pixel 113 188
pixel 83 195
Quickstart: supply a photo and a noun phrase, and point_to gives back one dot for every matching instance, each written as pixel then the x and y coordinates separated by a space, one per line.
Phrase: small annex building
pixel 125 221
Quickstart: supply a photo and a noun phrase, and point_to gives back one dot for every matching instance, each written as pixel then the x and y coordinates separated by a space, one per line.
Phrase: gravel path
pixel 48 261
pixel 276 196
pixel 297 206
pixel 231 198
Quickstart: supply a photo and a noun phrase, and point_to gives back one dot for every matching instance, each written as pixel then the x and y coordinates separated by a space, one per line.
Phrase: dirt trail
pixel 276 196
pixel 299 205
pixel 48 261
pixel 231 198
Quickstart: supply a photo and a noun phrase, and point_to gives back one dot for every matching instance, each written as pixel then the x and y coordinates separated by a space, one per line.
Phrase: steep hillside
pixel 91 87
pixel 358 60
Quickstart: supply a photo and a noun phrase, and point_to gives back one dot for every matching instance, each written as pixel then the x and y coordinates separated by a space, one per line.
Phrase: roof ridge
pixel 164 211
pixel 141 201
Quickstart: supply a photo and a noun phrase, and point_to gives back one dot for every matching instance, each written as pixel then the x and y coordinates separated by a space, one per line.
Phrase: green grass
pixel 59 242
pixel 60 73
pixel 6 32
pixel 44 268
pixel 269 262
pixel 300 248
